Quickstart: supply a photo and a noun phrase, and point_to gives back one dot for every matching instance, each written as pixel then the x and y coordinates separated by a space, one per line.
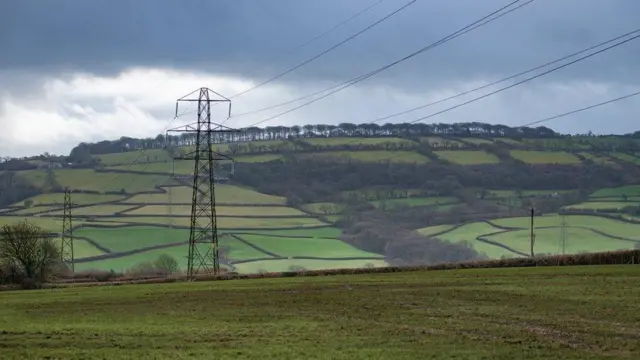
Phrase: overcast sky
pixel 74 71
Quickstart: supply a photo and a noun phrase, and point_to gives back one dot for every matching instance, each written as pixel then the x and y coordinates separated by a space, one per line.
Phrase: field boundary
pixel 627 257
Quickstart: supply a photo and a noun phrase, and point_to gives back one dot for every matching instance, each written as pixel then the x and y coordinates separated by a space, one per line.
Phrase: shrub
pixel 29 254
pixel 166 264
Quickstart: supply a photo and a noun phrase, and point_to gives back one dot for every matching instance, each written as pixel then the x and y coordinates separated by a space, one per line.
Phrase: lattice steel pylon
pixel 563 234
pixel 66 247
pixel 203 255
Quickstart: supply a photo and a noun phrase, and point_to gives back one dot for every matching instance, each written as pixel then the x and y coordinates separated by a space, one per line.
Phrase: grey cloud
pixel 245 37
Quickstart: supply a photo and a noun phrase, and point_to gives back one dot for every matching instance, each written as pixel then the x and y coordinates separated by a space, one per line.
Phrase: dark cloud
pixel 248 37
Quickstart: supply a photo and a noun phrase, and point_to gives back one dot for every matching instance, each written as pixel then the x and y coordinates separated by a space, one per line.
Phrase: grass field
pixel 78 199
pixel 548 241
pixel 598 159
pixel 477 141
pixel 630 190
pixel 372 156
pixel 223 222
pixel 185 210
pixel 468 157
pixel 87 179
pixel 290 247
pixel 521 313
pixel 603 205
pixel 544 157
pixel 626 157
pixel 225 194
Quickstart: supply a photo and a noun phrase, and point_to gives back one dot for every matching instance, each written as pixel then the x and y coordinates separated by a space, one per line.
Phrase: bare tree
pixel 28 250
pixel 166 264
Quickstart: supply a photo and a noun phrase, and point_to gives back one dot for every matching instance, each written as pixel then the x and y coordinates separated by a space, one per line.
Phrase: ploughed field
pixel 517 313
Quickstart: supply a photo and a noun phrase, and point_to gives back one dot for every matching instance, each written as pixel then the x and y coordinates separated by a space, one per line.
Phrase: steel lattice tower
pixel 66 249
pixel 203 257
pixel 563 234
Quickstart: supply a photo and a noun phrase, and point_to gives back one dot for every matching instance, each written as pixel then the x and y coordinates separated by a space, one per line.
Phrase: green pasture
pixel 87 179
pixel 223 222
pixel 341 141
pixel 81 248
pixel 36 209
pixel 608 226
pixel 629 190
pixel 48 224
pixel 468 157
pixel 291 247
pixel 76 199
pixel 134 157
pixel 225 194
pixel 375 194
pixel 469 232
pixel 370 156
pixel 185 210
pixel 416 201
pixel 257 158
pixel 326 232
pixel 95 210
pixel 544 157
pixel 547 241
pixel 139 237
pixel 601 205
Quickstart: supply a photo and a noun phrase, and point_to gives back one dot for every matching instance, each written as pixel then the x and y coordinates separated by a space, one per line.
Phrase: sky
pixel 73 71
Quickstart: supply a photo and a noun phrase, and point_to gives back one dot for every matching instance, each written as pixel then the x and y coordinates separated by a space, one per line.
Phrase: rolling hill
pixel 325 196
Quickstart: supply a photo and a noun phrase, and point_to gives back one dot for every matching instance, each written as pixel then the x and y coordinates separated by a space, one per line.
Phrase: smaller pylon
pixel 66 250
pixel 563 234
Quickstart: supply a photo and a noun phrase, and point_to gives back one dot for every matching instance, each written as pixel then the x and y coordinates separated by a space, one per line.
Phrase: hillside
pixel 321 196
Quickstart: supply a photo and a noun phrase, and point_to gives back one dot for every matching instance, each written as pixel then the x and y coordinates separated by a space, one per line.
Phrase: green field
pixel 547 241
pixel 584 234
pixel 521 313
pixel 322 208
pixel 225 194
pixel 185 210
pixel 544 157
pixel 291 247
pixel 86 179
pixel 371 156
pixel 626 157
pixel 601 205
pixel 78 199
pixel 468 157
pixel 478 141
pixel 598 159
pixel 630 190
pixel 436 142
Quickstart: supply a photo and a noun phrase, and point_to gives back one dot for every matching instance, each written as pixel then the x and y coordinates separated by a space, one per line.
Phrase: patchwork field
pixel 544 157
pixel 510 237
pixel 521 313
pixel 372 156
pixel 470 157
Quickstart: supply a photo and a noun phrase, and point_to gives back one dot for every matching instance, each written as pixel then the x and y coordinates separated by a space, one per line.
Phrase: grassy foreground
pixel 517 313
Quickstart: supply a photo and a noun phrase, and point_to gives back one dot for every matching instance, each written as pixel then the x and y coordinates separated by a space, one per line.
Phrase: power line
pixel 335 27
pixel 327 50
pixel 504 79
pixel 525 80
pixel 477 24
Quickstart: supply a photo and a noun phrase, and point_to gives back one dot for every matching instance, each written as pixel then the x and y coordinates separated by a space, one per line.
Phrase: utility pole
pixel 203 254
pixel 66 249
pixel 533 235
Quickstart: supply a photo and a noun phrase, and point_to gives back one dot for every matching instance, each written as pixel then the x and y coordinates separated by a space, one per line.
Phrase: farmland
pixel 532 313
pixel 290 200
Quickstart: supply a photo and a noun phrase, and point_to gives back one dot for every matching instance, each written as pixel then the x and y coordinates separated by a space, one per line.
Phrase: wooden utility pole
pixel 533 235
